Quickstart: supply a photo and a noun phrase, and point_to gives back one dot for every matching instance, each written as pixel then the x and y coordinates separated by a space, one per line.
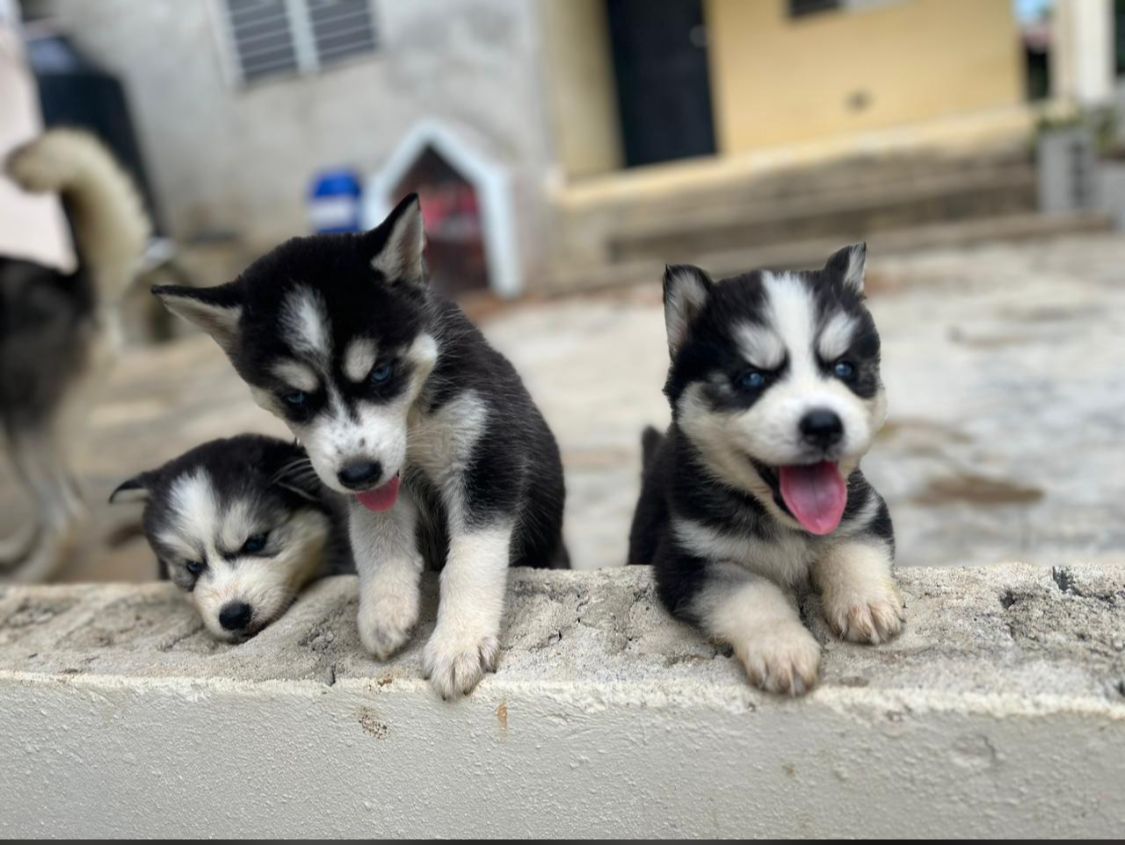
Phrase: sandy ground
pixel 1002 364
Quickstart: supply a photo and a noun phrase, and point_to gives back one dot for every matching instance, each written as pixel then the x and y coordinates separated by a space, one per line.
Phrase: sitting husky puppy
pixel 57 335
pixel 756 488
pixel 404 407
pixel 242 524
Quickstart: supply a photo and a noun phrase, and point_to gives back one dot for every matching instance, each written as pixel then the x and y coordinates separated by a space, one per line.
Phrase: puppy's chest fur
pixel 774 552
pixel 440 442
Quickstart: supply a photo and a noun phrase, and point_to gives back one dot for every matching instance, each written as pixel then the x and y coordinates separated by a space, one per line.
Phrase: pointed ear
pixel 848 265
pixel 136 489
pixel 215 310
pixel 686 289
pixel 395 246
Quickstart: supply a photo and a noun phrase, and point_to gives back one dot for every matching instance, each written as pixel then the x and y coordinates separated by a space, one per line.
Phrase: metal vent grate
pixel 341 28
pixel 263 37
pixel 289 36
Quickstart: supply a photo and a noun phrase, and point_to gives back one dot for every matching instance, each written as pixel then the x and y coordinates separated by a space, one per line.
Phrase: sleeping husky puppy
pixel 404 408
pixel 756 488
pixel 57 335
pixel 242 524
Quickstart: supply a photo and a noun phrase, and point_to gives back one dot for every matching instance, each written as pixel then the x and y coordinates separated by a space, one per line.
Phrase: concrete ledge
pixel 1000 712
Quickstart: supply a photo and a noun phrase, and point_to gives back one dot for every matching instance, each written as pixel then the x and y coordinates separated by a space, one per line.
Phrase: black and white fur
pixel 242 524
pixel 340 336
pixel 58 335
pixel 728 554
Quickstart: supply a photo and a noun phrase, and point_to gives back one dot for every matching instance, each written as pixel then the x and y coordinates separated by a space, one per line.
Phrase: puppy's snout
pixel 360 475
pixel 235 615
pixel 822 428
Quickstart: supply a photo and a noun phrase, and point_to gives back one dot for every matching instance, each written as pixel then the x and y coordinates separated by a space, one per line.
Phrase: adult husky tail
pixel 110 224
pixel 57 335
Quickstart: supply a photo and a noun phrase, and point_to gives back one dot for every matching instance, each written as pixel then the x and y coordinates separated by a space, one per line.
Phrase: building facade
pixel 575 98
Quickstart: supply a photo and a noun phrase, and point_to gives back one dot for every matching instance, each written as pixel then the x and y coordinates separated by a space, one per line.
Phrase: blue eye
pixel 382 374
pixel 844 370
pixel 752 380
pixel 195 567
pixel 254 544
pixel 295 399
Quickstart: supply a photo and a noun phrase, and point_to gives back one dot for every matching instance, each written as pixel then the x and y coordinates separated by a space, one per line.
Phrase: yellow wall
pixel 777 80
pixel 581 86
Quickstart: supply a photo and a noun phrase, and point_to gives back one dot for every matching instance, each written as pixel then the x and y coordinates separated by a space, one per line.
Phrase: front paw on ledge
pixel 872 619
pixel 455 663
pixel 386 623
pixel 783 659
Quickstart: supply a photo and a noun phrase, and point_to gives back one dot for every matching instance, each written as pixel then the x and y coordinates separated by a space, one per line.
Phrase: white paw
pixel 386 620
pixel 874 616
pixel 782 659
pixel 455 662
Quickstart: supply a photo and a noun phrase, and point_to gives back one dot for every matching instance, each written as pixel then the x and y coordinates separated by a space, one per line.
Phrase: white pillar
pixel 1082 62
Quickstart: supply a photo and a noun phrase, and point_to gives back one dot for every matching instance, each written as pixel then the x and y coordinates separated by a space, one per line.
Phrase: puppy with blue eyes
pixel 755 490
pixel 243 525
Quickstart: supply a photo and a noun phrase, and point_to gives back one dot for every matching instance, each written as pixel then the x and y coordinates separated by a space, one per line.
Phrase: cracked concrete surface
pixel 999 711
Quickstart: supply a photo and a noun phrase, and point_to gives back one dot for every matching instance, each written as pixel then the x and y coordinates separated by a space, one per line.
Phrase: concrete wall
pixel 999 712
pixel 240 158
pixel 779 80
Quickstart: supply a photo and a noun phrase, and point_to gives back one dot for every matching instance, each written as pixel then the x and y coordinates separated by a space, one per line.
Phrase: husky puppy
pixel 243 524
pixel 756 488
pixel 404 408
pixel 57 334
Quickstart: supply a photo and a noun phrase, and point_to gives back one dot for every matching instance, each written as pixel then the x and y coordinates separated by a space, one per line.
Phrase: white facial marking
pixel 377 431
pixel 304 323
pixel 194 503
pixel 208 530
pixel 359 358
pixel 836 337
pixel 760 346
pixel 769 430
pixel 297 375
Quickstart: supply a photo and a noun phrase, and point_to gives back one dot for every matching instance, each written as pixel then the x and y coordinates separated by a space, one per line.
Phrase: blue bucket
pixel 334 202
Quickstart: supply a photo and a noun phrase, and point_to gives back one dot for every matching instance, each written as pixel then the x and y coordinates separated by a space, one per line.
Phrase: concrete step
pixel 811 252
pixel 858 208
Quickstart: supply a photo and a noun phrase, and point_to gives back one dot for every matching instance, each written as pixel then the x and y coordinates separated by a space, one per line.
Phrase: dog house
pixel 467 206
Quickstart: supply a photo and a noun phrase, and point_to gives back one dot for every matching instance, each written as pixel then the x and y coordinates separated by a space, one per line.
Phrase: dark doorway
pixel 663 82
pixel 455 258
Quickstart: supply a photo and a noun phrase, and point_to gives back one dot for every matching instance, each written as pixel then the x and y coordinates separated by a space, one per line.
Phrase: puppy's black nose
pixel 822 427
pixel 235 615
pixel 360 475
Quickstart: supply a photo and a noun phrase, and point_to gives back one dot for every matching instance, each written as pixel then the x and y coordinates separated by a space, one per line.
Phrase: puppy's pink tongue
pixel 381 498
pixel 816 495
